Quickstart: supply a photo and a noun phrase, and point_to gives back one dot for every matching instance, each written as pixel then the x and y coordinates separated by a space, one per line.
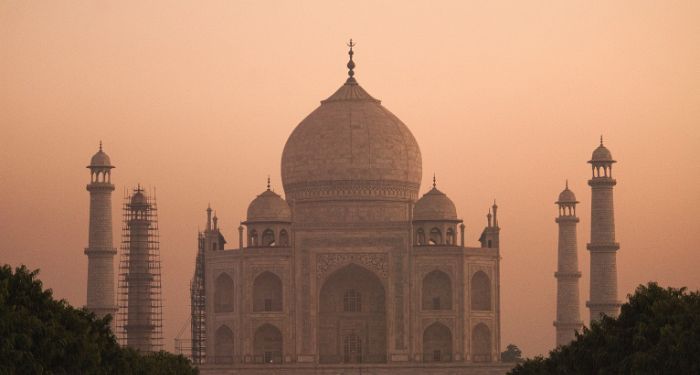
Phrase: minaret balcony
pixel 602 181
pixel 567 275
pixel 603 247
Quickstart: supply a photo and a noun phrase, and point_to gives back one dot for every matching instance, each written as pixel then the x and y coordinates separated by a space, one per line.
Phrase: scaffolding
pixel 140 315
pixel 197 305
pixel 183 343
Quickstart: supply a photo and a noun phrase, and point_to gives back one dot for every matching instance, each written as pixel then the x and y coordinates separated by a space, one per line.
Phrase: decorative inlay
pixel 326 263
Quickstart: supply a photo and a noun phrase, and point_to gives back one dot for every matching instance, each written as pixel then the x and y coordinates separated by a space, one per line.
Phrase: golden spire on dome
pixel 351 65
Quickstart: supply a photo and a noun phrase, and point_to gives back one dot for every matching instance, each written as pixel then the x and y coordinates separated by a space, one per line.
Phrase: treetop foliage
pixel 40 335
pixel 657 332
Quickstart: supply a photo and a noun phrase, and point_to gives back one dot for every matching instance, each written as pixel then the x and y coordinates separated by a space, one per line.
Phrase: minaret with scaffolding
pixel 140 322
pixel 210 239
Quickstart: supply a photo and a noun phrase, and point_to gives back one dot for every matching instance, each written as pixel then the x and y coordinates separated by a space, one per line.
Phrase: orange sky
pixel 506 100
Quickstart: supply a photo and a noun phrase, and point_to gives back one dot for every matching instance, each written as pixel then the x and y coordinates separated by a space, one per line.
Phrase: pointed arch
pixel 364 328
pixel 450 237
pixel 223 293
pixel 223 345
pixel 267 344
pixel 436 291
pixel 267 292
pixel 437 343
pixel 268 238
pixel 481 343
pixel 420 237
pixel 435 237
pixel 481 292
pixel 284 238
pixel 253 238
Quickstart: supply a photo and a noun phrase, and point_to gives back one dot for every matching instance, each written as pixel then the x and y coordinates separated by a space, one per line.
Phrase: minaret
pixel 100 250
pixel 603 247
pixel 140 316
pixel 567 275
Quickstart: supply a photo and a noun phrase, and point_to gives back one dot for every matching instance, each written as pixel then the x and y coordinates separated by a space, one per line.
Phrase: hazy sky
pixel 506 100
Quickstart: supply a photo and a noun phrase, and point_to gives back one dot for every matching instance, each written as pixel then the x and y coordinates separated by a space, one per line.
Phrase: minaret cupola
pixel 269 220
pixel 435 219
pixel 602 161
pixel 100 167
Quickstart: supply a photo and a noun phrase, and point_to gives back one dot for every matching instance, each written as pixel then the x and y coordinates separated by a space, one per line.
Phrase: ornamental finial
pixel 601 139
pixel 434 180
pixel 100 145
pixel 351 64
pixel 268 182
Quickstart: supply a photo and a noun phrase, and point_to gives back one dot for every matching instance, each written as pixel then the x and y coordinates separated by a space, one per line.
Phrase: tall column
pixel 100 250
pixel 603 247
pixel 568 315
pixel 139 327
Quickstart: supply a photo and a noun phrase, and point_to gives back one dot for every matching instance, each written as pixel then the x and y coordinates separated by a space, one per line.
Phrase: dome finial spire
pixel 567 184
pixel 268 182
pixel 434 180
pixel 351 65
pixel 601 139
pixel 100 145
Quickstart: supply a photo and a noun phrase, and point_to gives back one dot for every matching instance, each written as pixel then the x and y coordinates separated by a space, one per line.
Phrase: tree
pixel 511 354
pixel 658 331
pixel 41 335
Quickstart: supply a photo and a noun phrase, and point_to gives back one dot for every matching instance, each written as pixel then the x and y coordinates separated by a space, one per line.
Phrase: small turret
pixel 213 239
pixel 490 236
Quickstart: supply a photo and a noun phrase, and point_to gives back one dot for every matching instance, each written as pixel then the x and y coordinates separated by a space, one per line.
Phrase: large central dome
pixel 351 146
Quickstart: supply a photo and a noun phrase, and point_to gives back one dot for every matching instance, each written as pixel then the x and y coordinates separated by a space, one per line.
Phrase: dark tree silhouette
pixel 511 354
pixel 657 332
pixel 41 335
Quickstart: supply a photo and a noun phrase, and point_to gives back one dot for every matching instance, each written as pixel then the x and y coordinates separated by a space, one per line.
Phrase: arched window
pixel 352 301
pixel 267 292
pixel 284 238
pixel 223 294
pixel 267 344
pixel 481 343
pixel 481 292
pixel 437 291
pixel 268 238
pixel 450 237
pixel 253 242
pixel 352 349
pixel 420 237
pixel 435 237
pixel 223 345
pixel 334 323
pixel 437 343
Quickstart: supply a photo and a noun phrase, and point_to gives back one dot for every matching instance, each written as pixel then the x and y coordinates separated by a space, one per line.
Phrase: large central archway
pixel 352 317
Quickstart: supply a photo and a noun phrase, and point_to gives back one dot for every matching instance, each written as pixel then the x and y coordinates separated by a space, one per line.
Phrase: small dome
pixel 100 159
pixel 139 199
pixel 601 154
pixel 269 206
pixel 435 206
pixel 567 196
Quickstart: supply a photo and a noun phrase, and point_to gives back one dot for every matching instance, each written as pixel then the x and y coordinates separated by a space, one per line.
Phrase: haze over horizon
pixel 506 100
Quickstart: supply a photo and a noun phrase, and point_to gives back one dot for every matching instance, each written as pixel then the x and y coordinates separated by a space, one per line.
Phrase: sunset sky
pixel 507 100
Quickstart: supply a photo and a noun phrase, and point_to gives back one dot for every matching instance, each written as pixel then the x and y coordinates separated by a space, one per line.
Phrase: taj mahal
pixel 354 267
pixel 353 270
